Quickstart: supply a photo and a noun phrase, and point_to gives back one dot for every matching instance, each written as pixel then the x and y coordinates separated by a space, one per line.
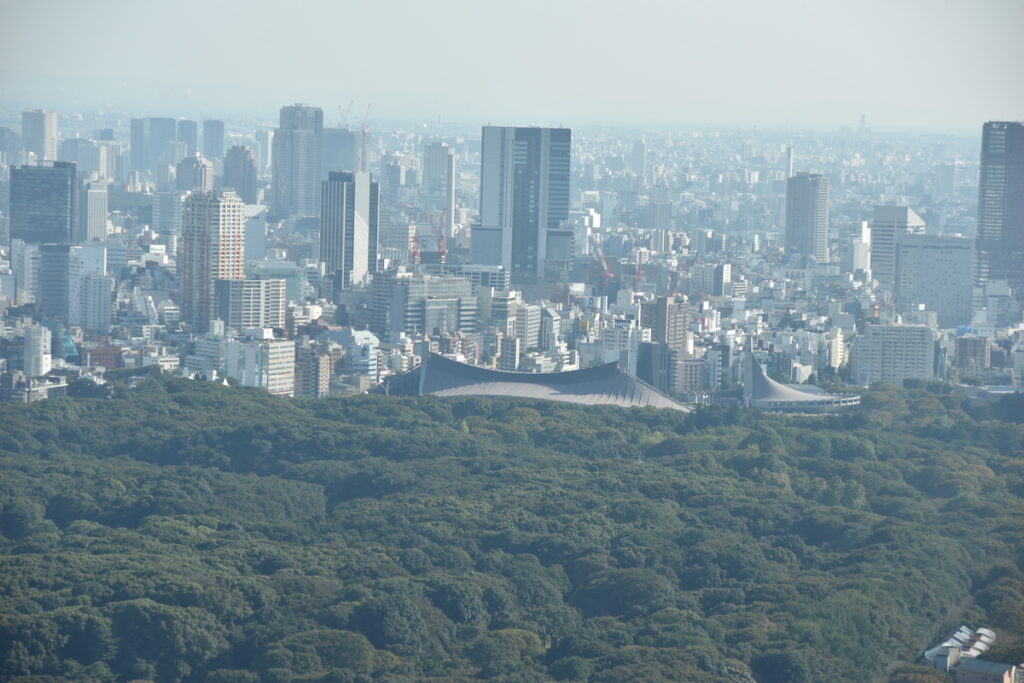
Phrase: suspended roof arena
pixel 761 391
pixel 601 385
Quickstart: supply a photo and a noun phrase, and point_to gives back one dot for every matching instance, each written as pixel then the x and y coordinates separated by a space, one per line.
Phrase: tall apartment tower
pixel 240 173
pixel 350 225
pixel 44 203
pixel 893 353
pixel 211 247
pixel 297 162
pixel 524 199
pixel 213 139
pixel 888 224
pixel 439 182
pixel 1000 240
pixel 39 133
pixel 807 216
pixel 669 320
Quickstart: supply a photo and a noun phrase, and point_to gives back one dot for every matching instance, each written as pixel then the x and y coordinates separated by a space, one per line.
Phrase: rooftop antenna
pixel 365 131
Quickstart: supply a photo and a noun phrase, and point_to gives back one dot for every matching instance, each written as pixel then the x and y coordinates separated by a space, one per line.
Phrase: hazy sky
pixel 931 64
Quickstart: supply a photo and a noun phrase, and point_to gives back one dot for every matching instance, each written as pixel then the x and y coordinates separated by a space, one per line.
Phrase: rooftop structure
pixel 602 385
pixel 761 391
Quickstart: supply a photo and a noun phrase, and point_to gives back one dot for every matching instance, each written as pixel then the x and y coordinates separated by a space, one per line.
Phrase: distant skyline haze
pixel 912 63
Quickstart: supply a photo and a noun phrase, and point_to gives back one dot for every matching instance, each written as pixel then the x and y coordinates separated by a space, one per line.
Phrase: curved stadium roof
pixel 602 385
pixel 761 391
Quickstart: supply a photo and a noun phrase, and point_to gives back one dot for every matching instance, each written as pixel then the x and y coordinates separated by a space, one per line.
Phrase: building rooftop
pixel 602 385
pixel 983 666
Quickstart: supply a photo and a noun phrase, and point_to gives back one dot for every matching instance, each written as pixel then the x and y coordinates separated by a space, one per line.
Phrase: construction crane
pixel 416 251
pixel 343 115
pixel 638 274
pixel 365 131
pixel 607 273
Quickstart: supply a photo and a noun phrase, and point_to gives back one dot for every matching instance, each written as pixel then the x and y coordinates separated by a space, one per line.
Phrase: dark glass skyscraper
pixel 44 205
pixel 524 199
pixel 1000 240
pixel 349 225
pixel 807 216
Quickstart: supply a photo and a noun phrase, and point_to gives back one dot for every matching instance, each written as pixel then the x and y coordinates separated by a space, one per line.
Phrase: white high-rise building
pixel 39 133
pixel 25 262
pixel 887 225
pixel 250 304
pixel 268 364
pixel 85 261
pixel 212 247
pixel 93 223
pixel 37 351
pixel 893 353
pixel 935 272
pixel 97 297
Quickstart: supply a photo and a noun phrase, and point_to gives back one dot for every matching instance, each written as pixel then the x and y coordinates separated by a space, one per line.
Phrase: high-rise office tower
pixel 265 145
pixel 154 144
pixel 888 224
pixel 524 199
pixel 296 162
pixel 639 161
pixel 240 173
pixel 211 247
pixel 54 279
pixel 188 134
pixel 789 161
pixel 44 204
pixel 338 150
pixel 92 221
pixel 194 173
pixel 935 272
pixel 349 225
pixel 213 139
pixel 1000 241
pixel 39 133
pixel 439 182
pixel 807 216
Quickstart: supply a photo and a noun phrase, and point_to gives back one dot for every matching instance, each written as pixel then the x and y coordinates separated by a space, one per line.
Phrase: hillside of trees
pixel 184 531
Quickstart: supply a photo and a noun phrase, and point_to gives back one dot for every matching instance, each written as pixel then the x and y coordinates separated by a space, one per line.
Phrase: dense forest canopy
pixel 186 531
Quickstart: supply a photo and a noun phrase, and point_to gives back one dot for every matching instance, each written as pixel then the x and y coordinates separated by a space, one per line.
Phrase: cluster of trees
pixel 186 531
